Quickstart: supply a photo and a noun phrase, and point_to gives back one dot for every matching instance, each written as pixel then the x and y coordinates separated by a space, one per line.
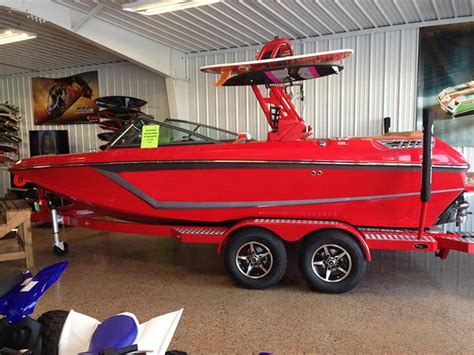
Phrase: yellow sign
pixel 150 134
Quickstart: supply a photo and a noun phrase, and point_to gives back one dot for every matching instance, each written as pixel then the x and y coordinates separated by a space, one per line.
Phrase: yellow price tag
pixel 150 135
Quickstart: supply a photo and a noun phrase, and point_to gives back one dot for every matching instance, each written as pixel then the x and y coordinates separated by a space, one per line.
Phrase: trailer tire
pixel 338 272
pixel 61 252
pixel 255 258
pixel 52 323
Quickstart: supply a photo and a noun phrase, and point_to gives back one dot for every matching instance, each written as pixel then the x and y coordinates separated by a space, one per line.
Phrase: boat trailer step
pixel 396 240
pixel 201 235
pixel 409 240
pixel 375 239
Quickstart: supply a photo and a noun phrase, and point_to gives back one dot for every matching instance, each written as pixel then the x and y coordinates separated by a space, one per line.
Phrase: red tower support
pixel 281 114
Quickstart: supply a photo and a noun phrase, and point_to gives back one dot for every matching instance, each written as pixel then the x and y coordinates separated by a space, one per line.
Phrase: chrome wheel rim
pixel 254 260
pixel 331 263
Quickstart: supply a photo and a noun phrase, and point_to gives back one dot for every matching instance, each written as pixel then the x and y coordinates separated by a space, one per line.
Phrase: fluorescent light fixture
pixel 156 7
pixel 11 36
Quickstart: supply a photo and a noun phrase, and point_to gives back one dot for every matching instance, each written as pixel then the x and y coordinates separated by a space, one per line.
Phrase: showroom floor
pixel 407 302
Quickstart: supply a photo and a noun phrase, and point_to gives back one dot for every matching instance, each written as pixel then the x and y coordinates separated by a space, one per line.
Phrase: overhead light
pixel 155 7
pixel 10 36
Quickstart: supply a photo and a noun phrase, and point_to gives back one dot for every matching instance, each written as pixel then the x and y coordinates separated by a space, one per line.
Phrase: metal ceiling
pixel 54 48
pixel 225 25
pixel 240 23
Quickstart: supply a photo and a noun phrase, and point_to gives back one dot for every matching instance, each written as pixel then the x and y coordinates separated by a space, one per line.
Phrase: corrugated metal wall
pixel 114 79
pixel 469 226
pixel 379 80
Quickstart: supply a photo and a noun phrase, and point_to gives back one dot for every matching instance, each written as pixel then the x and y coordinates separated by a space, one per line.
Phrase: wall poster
pixel 65 100
pixel 446 81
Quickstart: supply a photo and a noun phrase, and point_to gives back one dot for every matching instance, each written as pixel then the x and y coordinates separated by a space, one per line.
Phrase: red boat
pixel 215 182
pixel 226 185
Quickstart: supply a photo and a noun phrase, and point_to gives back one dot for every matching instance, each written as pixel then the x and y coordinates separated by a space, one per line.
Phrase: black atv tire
pixel 52 323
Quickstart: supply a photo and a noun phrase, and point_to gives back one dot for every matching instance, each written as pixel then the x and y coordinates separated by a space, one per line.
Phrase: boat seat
pixel 243 138
pixel 408 134
pixel 9 280
pixel 115 332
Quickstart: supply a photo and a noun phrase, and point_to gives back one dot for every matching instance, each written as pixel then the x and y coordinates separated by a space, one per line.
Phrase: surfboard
pixel 4 158
pixel 8 149
pixel 283 75
pixel 105 136
pixel 120 102
pixel 112 125
pixel 7 108
pixel 122 113
pixel 228 71
pixel 8 128
pixel 6 117
pixel 9 138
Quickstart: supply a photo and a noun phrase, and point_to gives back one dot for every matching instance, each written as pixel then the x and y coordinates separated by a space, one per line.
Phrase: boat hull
pixel 234 182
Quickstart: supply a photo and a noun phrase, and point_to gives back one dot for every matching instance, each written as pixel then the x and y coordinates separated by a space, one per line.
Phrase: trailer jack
pixel 60 248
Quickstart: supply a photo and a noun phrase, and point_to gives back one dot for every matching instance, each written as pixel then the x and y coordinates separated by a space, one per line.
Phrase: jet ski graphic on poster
pixel 65 100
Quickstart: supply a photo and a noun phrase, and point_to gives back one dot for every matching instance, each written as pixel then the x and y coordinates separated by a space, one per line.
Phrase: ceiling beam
pixel 87 17
pixel 131 46
pixel 348 14
pixel 418 12
pixel 366 14
pixel 315 17
pixel 334 18
pixel 435 7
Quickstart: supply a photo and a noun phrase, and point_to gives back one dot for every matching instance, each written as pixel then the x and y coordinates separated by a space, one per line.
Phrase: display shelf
pixel 10 140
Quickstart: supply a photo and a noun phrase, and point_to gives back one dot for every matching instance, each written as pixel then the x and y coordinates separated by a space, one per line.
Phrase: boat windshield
pixel 219 134
pixel 172 132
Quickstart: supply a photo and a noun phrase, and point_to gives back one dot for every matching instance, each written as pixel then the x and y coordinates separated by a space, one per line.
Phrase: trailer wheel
pixel 255 258
pixel 52 323
pixel 61 252
pixel 332 262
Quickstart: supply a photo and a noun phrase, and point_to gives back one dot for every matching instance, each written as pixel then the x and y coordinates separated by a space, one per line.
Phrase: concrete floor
pixel 407 302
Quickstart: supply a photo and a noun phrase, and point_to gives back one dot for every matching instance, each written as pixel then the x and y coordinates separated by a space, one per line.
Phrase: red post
pixel 421 226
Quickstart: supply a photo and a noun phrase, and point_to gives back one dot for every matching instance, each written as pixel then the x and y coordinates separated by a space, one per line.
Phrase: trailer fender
pixel 293 230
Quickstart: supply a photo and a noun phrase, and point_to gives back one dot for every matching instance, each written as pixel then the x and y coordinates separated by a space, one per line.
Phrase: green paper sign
pixel 150 136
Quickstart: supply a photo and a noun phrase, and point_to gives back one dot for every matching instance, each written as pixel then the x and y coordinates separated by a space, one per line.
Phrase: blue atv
pixel 61 332
pixel 19 293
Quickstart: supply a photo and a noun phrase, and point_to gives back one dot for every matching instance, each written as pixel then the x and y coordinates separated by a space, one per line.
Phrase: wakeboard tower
pixel 277 68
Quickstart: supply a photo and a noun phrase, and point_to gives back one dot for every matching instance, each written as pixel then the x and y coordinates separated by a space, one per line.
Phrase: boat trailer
pixel 276 230
pixel 289 230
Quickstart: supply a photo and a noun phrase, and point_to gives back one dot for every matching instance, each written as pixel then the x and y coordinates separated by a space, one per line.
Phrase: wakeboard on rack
pixel 280 70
